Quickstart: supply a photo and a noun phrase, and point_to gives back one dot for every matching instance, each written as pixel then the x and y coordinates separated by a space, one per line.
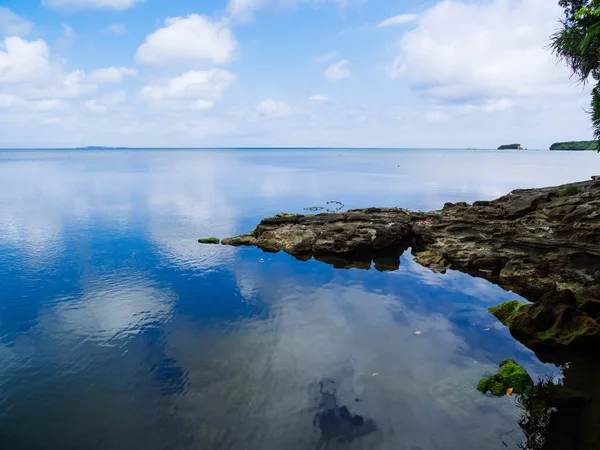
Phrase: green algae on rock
pixel 239 241
pixel 510 376
pixel 210 240
pixel 505 310
pixel 556 320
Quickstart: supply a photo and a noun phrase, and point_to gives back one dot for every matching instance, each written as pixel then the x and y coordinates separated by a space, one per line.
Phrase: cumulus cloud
pixel 190 40
pixel 484 55
pixel 274 108
pixel 31 81
pixel 110 75
pixel 57 84
pixel 13 25
pixel 102 104
pixel 198 89
pixel 338 71
pixel 318 98
pixel 118 5
pixel 21 60
pixel 397 20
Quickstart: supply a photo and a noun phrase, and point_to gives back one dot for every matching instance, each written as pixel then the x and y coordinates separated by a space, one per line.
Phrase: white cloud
pixel 190 40
pixel 318 98
pixel 397 20
pixel 21 60
pixel 110 75
pixel 13 25
pixel 442 113
pixel 118 5
pixel 198 89
pixel 101 105
pixel 110 313
pixel 483 55
pixel 32 82
pixel 274 108
pixel 116 28
pixel 489 106
pixel 436 116
pixel 66 39
pixel 326 57
pixel 338 71
pixel 56 84
pixel 18 104
pixel 244 9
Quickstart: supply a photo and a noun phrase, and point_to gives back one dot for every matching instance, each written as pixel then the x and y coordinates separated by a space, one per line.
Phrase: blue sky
pixel 357 73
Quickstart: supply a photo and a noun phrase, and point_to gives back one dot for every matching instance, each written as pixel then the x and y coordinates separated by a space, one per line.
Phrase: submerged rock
pixel 543 244
pixel 511 378
pixel 336 423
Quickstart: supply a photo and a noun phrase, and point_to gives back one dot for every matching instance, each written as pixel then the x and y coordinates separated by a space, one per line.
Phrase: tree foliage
pixel 575 145
pixel 578 44
pixel 510 147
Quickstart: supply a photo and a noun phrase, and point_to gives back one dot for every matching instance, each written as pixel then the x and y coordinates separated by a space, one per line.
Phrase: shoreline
pixel 542 243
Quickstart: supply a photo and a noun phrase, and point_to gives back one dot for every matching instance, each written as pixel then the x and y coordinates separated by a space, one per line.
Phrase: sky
pixel 285 73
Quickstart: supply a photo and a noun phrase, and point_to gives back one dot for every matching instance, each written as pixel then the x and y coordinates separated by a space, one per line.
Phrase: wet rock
pixel 510 376
pixel 485 262
pixel 354 234
pixel 553 321
pixel 591 308
pixel 567 397
pixel 504 311
pixel 435 261
pixel 210 240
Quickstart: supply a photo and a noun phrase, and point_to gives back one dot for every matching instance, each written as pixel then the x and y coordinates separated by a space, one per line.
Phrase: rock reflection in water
pixel 564 414
pixel 383 260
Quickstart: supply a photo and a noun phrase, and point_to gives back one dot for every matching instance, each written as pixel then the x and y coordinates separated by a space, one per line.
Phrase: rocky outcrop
pixel 543 244
pixel 350 239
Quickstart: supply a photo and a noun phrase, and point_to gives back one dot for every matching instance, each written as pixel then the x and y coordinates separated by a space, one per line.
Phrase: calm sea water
pixel 119 331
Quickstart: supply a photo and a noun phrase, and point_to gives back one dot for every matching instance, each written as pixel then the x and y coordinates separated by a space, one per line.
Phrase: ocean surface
pixel 119 331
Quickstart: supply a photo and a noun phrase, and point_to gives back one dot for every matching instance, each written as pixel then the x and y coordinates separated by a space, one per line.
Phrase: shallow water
pixel 119 331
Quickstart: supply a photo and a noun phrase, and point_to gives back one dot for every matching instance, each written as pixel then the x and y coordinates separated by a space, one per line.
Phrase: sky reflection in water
pixel 118 331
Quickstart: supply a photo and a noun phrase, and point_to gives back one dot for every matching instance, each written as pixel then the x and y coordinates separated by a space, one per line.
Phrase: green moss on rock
pixel 210 240
pixel 237 241
pixel 505 310
pixel 510 376
pixel 568 190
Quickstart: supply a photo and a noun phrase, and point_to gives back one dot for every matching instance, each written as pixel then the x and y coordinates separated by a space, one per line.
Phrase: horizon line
pixel 256 148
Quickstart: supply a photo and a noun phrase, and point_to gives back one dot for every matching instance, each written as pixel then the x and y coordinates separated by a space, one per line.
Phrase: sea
pixel 119 331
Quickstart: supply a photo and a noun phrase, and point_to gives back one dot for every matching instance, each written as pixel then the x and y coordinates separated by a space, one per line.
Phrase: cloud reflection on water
pixel 117 324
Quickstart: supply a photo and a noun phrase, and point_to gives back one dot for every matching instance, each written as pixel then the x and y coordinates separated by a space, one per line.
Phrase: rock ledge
pixel 543 244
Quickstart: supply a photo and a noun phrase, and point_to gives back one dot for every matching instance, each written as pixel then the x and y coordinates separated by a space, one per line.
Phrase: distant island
pixel 510 147
pixel 575 145
pixel 100 147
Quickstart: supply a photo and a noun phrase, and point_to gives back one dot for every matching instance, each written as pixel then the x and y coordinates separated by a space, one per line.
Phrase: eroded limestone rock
pixel 543 244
